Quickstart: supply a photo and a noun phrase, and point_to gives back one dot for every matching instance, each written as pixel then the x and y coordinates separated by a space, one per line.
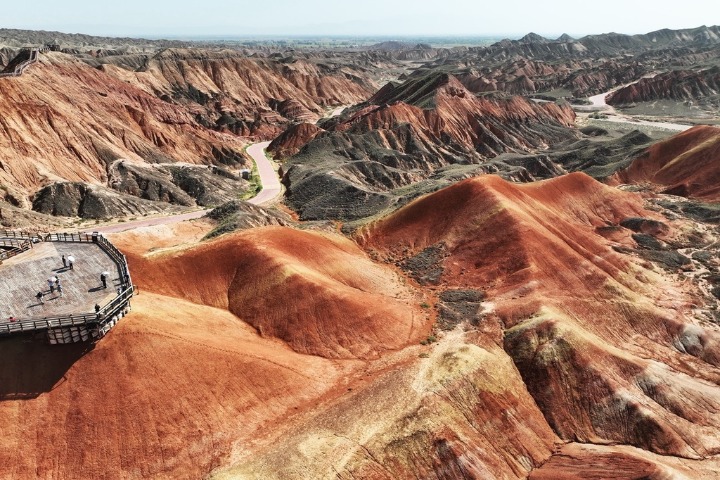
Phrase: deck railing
pixel 111 309
pixel 103 242
pixel 14 234
pixel 16 247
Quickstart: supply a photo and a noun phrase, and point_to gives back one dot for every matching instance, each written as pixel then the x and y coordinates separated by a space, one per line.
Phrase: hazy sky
pixel 359 17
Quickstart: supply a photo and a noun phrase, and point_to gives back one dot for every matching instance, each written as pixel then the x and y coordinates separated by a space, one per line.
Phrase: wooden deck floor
pixel 23 276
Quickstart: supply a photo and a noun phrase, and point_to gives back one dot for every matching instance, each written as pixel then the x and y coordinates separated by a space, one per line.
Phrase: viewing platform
pixel 86 309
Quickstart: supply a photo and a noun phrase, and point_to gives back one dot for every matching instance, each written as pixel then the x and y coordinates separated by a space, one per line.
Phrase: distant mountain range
pixel 618 42
pixel 703 35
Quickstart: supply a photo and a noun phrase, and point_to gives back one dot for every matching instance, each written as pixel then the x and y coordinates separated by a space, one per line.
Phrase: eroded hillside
pixel 459 305
pixel 406 134
pixel 488 330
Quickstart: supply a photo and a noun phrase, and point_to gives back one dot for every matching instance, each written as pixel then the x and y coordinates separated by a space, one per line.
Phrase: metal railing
pixel 117 303
pixel 117 256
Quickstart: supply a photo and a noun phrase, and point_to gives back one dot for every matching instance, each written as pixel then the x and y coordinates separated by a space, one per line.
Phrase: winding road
pixel 600 105
pixel 271 187
pixel 271 190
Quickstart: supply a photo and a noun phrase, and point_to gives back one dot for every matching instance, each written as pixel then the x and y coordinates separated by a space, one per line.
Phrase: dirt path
pixel 271 190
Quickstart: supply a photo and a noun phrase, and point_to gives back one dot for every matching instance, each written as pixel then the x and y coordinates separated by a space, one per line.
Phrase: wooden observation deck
pixel 28 261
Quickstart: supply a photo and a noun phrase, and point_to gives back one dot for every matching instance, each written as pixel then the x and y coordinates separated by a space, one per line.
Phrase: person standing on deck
pixel 64 260
pixel 71 262
pixel 51 284
pixel 40 296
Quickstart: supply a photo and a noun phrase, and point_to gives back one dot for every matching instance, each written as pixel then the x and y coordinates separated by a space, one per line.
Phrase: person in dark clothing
pixel 64 260
pixel 40 296
pixel 103 279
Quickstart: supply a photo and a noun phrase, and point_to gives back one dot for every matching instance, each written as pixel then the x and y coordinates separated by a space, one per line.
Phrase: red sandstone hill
pixel 445 115
pixel 170 394
pixel 443 107
pixel 183 385
pixel 600 344
pixel 679 85
pixel 318 293
pixel 285 354
pixel 293 139
pixel 685 164
pixel 65 121
pixel 248 95
pixel 542 215
pixel 362 163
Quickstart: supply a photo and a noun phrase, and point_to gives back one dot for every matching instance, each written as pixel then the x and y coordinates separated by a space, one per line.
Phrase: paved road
pixel 271 190
pixel 599 104
pixel 598 101
pixel 271 187
pixel 337 111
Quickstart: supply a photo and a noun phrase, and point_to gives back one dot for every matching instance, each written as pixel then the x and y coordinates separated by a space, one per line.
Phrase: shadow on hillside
pixel 29 367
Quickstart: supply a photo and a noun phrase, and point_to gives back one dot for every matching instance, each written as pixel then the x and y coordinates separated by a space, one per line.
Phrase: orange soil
pixel 500 233
pixel 592 462
pixel 180 386
pixel 579 318
pixel 170 392
pixel 578 342
pixel 686 164
pixel 317 292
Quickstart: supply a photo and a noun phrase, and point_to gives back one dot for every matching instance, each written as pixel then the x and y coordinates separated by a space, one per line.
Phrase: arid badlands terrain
pixel 496 262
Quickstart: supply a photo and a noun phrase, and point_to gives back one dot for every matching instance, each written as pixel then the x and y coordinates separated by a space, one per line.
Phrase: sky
pixel 512 18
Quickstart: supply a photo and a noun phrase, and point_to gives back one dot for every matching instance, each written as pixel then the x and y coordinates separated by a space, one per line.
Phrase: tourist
pixel 71 262
pixel 59 288
pixel 64 260
pixel 97 310
pixel 11 319
pixel 40 296
pixel 51 284
pixel 103 278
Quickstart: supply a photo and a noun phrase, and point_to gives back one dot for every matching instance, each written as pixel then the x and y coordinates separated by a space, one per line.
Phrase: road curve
pixel 271 190
pixel 271 187
pixel 614 116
